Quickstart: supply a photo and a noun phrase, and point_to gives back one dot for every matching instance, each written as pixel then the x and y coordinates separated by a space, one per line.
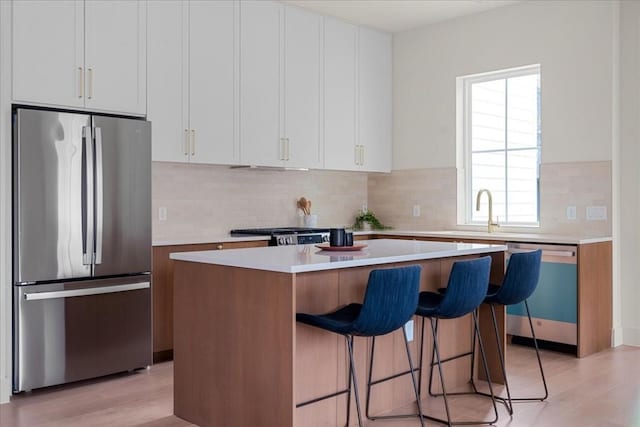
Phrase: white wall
pixel 570 39
pixel 629 241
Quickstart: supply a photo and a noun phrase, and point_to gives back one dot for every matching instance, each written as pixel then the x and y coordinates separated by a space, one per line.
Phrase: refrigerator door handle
pixel 87 198
pixel 99 196
pixel 34 296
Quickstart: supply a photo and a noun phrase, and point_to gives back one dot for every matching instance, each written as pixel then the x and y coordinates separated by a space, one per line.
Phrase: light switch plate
pixel 416 210
pixel 596 213
pixel 162 213
pixel 571 212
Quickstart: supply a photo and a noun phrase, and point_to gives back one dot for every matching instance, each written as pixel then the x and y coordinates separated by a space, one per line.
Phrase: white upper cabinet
pixel 80 54
pixel 374 100
pixel 115 55
pixel 280 85
pixel 340 74
pixel 302 88
pixel 192 83
pixel 260 83
pixel 48 52
pixel 261 79
pixel 167 81
pixel 212 81
pixel 357 92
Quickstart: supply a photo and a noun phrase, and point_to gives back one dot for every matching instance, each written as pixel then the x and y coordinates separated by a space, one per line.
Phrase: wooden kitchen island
pixel 240 358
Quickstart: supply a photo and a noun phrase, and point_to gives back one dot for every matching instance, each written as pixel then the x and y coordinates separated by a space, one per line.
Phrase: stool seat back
pixel 466 289
pixel 520 280
pixel 390 300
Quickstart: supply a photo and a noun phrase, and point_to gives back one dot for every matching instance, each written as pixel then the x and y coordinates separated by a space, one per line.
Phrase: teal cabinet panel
pixel 556 297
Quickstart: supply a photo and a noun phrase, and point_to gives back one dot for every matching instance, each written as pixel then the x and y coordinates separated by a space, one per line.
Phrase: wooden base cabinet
pixel 162 291
pixel 594 292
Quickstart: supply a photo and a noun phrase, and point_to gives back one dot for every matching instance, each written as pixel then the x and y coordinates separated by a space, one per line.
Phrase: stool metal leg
pixel 508 401
pixel 501 358
pixel 354 378
pixel 349 386
pixel 421 354
pixel 369 380
pixel 438 362
pixel 436 351
pixel 457 356
pixel 413 380
pixel 486 366
pixel 535 343
pixel 413 375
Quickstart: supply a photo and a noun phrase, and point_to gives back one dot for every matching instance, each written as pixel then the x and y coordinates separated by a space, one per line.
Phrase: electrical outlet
pixel 408 327
pixel 416 210
pixel 596 213
pixel 571 212
pixel 364 207
pixel 162 213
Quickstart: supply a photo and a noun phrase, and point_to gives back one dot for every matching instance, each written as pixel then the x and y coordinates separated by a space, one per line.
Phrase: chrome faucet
pixel 491 226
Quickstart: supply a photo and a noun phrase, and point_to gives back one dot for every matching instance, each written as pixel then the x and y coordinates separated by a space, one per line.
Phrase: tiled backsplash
pixel 204 200
pixel 392 197
pixel 583 184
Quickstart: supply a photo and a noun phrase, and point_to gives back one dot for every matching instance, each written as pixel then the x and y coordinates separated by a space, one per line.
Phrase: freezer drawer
pixel 71 331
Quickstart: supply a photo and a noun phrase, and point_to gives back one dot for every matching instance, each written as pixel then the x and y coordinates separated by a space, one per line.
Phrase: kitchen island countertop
pixel 306 258
pixel 495 236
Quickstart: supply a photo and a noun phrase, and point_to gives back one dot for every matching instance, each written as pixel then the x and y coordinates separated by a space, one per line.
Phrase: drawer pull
pixel 32 296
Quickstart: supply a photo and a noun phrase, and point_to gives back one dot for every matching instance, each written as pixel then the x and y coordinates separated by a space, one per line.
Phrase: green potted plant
pixel 367 220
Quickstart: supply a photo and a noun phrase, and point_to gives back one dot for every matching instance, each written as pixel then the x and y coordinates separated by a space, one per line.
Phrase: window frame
pixel 465 83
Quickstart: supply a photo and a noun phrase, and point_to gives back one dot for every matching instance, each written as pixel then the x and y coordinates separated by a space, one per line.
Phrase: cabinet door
pixel 48 52
pixel 340 43
pixel 261 62
pixel 213 83
pixel 374 99
pixel 115 55
pixel 167 79
pixel 303 31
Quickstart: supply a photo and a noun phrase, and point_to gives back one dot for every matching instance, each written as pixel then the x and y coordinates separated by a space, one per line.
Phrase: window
pixel 501 139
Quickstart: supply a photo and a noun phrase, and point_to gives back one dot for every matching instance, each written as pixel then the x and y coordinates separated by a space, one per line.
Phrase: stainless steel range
pixel 287 235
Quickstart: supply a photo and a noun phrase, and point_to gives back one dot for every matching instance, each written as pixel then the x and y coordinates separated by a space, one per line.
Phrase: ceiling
pixel 398 15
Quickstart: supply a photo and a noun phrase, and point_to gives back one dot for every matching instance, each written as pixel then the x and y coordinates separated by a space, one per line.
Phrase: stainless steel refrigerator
pixel 81 246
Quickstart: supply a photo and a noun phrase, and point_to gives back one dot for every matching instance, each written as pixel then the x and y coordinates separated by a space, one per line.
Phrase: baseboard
pixel 617 337
pixel 631 336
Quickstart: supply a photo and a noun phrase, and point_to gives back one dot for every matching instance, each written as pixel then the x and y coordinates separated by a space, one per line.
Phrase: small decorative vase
pixel 311 220
pixel 366 226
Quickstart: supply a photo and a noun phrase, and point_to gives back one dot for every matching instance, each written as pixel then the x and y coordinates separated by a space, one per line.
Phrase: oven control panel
pixel 299 239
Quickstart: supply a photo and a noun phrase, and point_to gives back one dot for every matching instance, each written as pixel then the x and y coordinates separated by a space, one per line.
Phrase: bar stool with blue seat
pixel 520 281
pixel 467 288
pixel 390 300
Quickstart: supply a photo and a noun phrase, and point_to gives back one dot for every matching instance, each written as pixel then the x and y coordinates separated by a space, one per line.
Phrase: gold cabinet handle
pixel 193 142
pixel 80 82
pixel 90 78
pixel 185 143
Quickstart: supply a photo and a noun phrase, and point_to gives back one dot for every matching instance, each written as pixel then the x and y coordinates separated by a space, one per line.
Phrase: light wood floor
pixel 602 390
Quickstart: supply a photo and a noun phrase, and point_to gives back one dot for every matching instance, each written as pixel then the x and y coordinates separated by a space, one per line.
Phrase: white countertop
pixel 497 236
pixel 451 234
pixel 305 258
